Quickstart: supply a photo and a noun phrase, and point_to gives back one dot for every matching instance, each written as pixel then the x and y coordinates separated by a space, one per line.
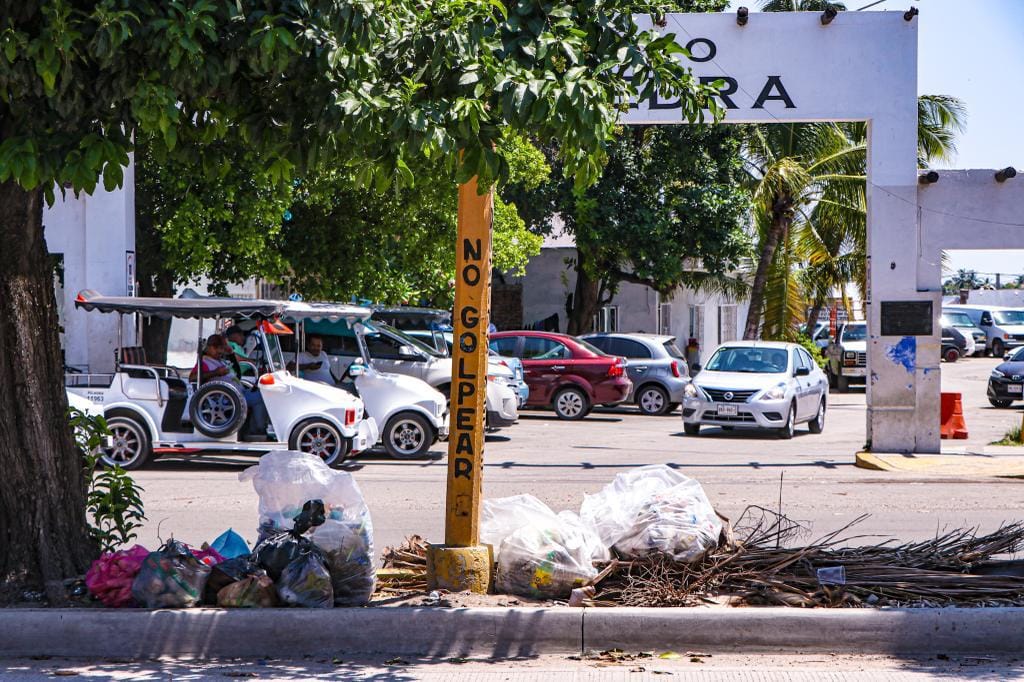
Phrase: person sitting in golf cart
pixel 235 337
pixel 212 366
pixel 313 363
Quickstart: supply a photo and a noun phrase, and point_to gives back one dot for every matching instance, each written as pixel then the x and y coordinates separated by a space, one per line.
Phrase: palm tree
pixel 799 5
pixel 940 118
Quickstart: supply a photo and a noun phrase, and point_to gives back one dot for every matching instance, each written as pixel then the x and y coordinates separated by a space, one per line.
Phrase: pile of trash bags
pixel 315 550
pixel 647 510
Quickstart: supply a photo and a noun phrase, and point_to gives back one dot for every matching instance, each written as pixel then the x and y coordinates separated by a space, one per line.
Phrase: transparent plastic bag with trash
pixel 539 553
pixel 171 577
pixel 284 481
pixel 653 509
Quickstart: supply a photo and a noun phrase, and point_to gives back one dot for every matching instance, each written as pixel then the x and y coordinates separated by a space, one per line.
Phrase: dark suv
pixel 654 364
pixel 564 372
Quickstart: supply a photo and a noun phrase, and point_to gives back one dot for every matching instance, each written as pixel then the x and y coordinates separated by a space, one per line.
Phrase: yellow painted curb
pixel 1008 466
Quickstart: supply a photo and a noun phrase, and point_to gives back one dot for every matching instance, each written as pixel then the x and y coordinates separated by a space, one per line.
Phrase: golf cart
pixel 413 416
pixel 151 410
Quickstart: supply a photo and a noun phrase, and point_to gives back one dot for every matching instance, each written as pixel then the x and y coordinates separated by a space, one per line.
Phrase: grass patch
pixel 1012 437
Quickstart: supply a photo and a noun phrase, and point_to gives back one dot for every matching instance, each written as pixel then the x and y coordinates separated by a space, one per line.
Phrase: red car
pixel 564 372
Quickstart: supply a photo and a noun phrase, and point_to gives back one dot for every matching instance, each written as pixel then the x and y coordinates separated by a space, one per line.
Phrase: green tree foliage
pixel 369 86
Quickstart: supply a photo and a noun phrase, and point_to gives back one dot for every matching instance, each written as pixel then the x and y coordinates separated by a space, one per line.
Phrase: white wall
pixel 94 234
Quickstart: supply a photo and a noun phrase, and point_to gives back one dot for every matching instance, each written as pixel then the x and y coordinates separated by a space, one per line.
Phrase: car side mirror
pixel 356 369
pixel 802 371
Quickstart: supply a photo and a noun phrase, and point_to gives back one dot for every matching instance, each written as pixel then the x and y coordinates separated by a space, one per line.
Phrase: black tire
pixel 131 447
pixel 786 432
pixel 408 435
pixel 842 384
pixel 218 409
pixel 1001 404
pixel 998 348
pixel 691 429
pixel 817 425
pixel 321 438
pixel 571 404
pixel 951 355
pixel 653 400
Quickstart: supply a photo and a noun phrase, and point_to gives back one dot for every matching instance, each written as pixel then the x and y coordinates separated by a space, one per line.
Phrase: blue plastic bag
pixel 230 544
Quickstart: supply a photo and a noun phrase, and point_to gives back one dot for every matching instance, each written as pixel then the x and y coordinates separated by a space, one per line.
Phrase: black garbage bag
pixel 227 572
pixel 276 551
pixel 306 581
pixel 171 577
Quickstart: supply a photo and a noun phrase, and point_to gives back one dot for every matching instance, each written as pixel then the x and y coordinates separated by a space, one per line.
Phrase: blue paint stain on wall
pixel 904 353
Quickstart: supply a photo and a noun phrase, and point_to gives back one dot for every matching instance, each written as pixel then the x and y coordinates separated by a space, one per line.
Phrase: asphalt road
pixel 196 499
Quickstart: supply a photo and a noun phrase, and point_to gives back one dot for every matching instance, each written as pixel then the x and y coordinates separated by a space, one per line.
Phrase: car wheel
pixel 408 435
pixel 653 401
pixel 995 402
pixel 691 429
pixel 843 384
pixel 571 404
pixel 998 348
pixel 321 438
pixel 217 409
pixel 129 443
pixel 951 355
pixel 817 425
pixel 786 432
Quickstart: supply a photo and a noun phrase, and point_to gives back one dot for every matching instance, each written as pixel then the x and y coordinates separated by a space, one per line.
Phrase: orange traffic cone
pixel 952 416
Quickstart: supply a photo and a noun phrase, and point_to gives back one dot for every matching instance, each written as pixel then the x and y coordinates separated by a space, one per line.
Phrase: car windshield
pixel 1017 355
pixel 276 356
pixel 673 350
pixel 956 320
pixel 749 359
pixel 1009 317
pixel 411 340
pixel 855 332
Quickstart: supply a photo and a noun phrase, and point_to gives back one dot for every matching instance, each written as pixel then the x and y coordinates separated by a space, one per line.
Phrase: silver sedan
pixel 757 385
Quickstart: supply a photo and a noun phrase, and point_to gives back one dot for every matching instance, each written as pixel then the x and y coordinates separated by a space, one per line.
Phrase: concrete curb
pixel 501 632
pixel 999 466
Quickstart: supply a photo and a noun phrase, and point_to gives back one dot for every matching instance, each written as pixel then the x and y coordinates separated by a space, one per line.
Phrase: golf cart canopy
pixel 204 307
pixel 300 311
pixel 410 317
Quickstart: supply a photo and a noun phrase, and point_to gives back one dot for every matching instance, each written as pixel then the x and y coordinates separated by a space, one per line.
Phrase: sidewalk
pixel 992 460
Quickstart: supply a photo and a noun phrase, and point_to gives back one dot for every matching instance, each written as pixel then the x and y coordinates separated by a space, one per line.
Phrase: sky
pixel 971 49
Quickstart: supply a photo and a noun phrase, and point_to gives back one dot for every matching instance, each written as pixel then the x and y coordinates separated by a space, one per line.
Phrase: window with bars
pixel 607 320
pixel 726 323
pixel 665 318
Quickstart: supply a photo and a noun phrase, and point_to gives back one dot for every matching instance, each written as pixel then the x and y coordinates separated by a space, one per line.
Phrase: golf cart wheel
pixel 786 432
pixel 129 442
pixel 951 355
pixel 995 402
pixel 817 425
pixel 218 409
pixel 653 400
pixel 691 429
pixel 571 404
pixel 408 435
pixel 321 438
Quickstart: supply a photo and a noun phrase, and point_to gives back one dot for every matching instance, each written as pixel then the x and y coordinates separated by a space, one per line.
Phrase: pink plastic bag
pixel 110 577
pixel 208 556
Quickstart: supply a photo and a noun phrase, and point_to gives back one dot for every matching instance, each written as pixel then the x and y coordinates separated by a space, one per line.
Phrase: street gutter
pixel 502 632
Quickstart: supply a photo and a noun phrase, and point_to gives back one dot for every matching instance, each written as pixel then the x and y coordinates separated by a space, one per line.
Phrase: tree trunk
pixel 812 319
pixel 43 533
pixel 154 279
pixel 586 300
pixel 780 223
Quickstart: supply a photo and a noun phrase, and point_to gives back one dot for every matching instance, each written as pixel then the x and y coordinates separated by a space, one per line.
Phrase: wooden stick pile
pixel 405 566
pixel 763 567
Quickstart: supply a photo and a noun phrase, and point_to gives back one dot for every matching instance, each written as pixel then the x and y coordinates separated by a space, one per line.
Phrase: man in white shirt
pixel 314 364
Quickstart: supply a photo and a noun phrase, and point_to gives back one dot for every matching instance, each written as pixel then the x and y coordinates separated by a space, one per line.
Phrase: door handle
pixel 642 368
pixel 557 366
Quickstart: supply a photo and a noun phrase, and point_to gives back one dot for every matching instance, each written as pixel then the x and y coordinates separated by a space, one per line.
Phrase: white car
pixel 151 410
pixel 759 385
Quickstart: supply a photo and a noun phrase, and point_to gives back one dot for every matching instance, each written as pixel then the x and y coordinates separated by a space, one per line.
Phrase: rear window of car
pixel 540 348
pixel 673 350
pixel 590 347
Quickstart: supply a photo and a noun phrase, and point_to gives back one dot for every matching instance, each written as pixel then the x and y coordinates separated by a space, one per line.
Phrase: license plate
pixel 1014 388
pixel 728 410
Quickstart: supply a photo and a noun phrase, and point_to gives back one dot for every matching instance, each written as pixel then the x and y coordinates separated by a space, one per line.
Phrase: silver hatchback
pixel 758 385
pixel 654 364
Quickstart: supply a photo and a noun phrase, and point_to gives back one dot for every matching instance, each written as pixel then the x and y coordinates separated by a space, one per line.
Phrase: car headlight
pixel 776 392
pixel 996 374
pixel 690 391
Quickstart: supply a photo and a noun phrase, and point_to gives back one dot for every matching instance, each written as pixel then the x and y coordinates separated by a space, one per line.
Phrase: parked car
pixel 564 372
pixel 654 364
pixel 959 320
pixel 1006 383
pixel 822 335
pixel 1003 327
pixel 955 345
pixel 150 409
pixel 847 356
pixel 760 385
pixel 395 352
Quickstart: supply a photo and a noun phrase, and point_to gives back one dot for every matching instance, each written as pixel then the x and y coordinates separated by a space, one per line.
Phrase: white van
pixel 1003 327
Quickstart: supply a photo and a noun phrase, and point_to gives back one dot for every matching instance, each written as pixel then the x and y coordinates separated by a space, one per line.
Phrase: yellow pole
pixel 461 564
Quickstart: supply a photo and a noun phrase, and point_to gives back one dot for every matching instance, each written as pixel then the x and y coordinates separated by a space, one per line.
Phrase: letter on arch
pixel 773 83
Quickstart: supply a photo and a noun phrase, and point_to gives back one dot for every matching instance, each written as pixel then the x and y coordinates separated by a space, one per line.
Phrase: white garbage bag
pixel 539 553
pixel 653 509
pixel 284 481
